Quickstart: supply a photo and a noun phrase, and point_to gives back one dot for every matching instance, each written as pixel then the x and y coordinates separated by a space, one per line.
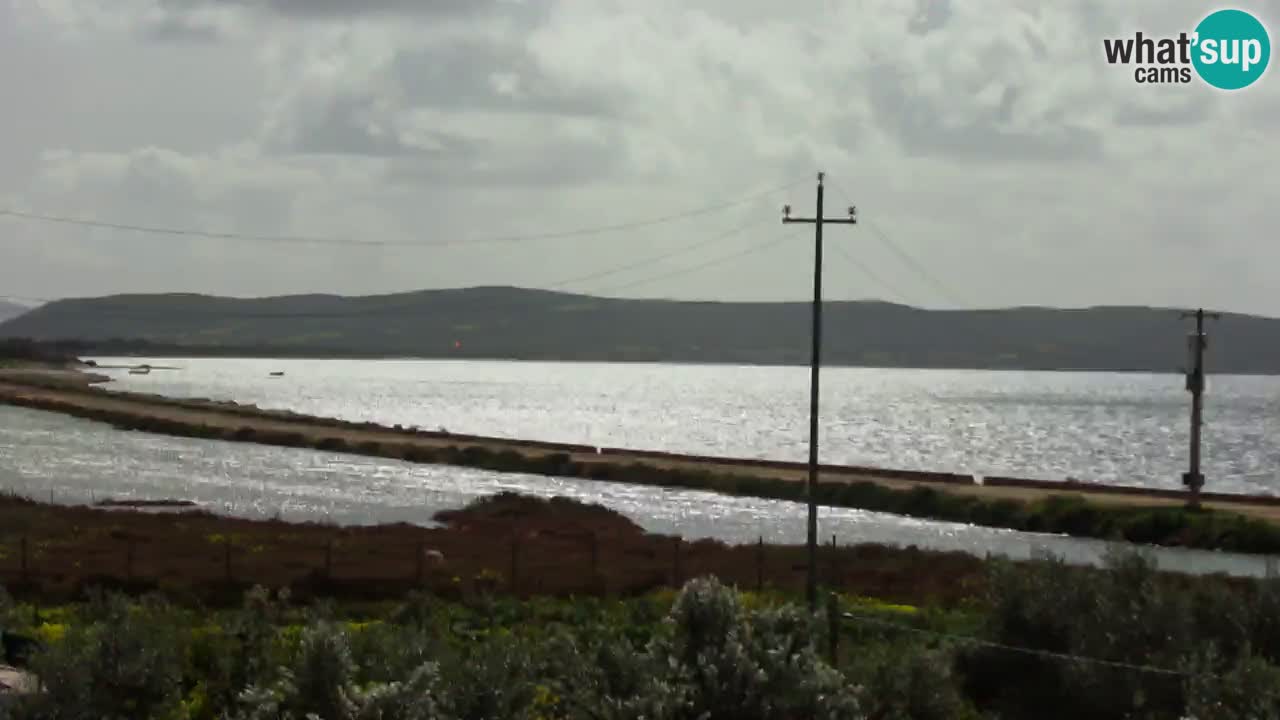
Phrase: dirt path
pixel 74 396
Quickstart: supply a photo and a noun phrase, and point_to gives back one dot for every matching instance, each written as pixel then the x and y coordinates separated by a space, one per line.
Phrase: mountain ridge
pixel 531 324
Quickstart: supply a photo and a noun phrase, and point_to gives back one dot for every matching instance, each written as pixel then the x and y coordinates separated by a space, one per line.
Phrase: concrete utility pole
pixel 811 589
pixel 1196 344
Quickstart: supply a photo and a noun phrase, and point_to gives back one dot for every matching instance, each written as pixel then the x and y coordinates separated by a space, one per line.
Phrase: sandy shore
pixel 74 393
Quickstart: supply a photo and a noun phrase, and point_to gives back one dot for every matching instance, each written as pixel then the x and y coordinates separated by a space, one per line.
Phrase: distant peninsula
pixel 524 324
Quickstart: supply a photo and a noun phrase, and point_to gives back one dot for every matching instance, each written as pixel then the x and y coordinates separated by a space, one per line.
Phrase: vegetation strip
pixel 515 544
pixel 1043 640
pixel 1062 514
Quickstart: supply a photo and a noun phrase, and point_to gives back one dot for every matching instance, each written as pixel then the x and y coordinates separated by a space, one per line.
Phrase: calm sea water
pixel 1101 427
pixel 49 456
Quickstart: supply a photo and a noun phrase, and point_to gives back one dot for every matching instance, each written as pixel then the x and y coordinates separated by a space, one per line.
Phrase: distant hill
pixel 497 322
pixel 10 310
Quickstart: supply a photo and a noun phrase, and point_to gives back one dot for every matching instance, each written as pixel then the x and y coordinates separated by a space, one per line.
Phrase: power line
pixel 940 287
pixel 392 311
pixel 1046 654
pixel 395 311
pixel 293 239
pixel 693 268
pixel 657 258
pixel 866 271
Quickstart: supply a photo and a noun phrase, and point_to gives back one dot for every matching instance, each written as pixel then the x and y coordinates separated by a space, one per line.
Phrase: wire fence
pixel 178 545
pixel 521 564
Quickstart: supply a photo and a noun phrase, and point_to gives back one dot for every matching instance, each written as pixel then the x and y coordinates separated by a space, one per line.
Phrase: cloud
pixel 922 128
pixel 344 9
pixel 988 138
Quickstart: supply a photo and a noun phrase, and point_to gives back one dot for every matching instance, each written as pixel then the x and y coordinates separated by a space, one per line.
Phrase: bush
pixel 1125 613
pixel 719 661
pixel 1251 689
pixel 916 685
pixel 319 683
pixel 704 652
pixel 126 662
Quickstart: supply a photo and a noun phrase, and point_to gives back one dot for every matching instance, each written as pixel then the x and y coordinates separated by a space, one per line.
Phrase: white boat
pixel 140 370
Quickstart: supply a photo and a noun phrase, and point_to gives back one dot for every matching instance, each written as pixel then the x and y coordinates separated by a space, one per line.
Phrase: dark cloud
pixel 1191 111
pixel 330 9
pixel 338 125
pixel 463 75
pixel 916 124
pixel 550 162
pixel 1038 48
pixel 180 29
pixel 930 15
pixel 451 78
pixel 186 20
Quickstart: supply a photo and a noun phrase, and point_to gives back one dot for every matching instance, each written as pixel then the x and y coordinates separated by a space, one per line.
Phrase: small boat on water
pixel 140 370
pixel 277 373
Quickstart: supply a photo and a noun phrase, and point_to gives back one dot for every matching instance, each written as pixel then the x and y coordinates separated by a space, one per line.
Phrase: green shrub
pixel 914 685
pixel 1124 613
pixel 126 661
pixel 718 660
pixel 1250 689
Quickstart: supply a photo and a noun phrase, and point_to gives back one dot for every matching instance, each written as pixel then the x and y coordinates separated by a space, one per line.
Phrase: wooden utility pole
pixel 1196 344
pixel 811 588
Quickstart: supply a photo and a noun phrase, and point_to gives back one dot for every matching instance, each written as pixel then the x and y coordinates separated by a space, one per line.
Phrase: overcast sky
pixel 987 139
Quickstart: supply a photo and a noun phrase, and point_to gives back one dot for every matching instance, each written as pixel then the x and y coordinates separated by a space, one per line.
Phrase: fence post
pixel 675 563
pixel 760 564
pixel 418 563
pixel 515 562
pixel 833 628
pixel 835 563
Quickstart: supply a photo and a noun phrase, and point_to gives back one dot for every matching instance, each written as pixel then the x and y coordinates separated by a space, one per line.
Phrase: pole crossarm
pixel 825 221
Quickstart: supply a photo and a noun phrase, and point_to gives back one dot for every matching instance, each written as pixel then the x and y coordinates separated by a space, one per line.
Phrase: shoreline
pixel 1239 523
pixel 179 354
pixel 960 482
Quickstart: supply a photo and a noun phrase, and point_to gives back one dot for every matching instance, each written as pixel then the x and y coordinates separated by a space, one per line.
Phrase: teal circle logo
pixel 1232 49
